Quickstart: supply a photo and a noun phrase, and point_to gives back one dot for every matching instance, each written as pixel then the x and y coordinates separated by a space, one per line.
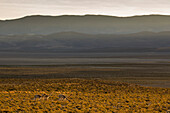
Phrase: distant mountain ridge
pixel 80 42
pixel 88 24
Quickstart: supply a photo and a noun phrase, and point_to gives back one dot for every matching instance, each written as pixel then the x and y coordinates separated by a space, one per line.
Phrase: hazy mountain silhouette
pixel 80 42
pixel 89 24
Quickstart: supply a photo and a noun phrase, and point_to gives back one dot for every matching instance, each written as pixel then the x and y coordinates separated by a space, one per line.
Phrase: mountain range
pixel 89 33
pixel 89 24
pixel 79 42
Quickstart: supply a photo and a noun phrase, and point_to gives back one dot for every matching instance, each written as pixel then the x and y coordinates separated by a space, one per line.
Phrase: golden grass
pixel 88 95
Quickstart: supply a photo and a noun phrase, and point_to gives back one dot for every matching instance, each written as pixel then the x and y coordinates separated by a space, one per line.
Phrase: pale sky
pixel 10 9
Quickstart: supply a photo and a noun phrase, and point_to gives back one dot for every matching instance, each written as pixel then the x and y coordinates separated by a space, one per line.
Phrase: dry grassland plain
pixel 107 88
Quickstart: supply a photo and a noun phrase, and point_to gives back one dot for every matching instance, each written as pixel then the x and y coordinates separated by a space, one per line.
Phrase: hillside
pixel 73 41
pixel 89 24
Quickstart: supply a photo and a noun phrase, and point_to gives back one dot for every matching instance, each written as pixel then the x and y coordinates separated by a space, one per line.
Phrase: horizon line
pixel 83 15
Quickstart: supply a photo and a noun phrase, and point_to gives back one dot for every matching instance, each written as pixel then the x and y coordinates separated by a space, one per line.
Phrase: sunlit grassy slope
pixel 88 95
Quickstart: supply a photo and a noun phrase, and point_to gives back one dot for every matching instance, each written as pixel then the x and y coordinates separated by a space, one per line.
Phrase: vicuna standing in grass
pixel 63 97
pixel 43 96
pixel 37 97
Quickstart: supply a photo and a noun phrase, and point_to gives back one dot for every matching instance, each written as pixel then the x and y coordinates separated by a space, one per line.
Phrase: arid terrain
pixel 90 82
pixel 84 95
pixel 90 56
pixel 121 87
